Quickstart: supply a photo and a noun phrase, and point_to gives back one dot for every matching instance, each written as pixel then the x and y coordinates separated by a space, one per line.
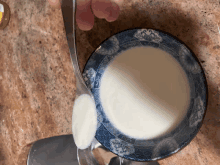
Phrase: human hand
pixel 87 9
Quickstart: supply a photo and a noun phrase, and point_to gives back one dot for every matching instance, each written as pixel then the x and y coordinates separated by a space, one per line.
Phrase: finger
pixel 114 12
pixel 55 3
pixel 84 15
pixel 101 8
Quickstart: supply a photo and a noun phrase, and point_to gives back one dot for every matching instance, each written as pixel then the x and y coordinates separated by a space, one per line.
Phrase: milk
pixel 144 92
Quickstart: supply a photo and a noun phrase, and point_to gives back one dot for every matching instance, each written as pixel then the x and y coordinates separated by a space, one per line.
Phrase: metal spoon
pixel 68 11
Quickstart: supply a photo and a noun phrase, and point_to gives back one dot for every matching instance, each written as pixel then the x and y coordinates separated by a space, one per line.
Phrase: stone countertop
pixel 37 83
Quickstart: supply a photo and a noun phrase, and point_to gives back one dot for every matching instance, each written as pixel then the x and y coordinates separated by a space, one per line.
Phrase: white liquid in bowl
pixel 144 92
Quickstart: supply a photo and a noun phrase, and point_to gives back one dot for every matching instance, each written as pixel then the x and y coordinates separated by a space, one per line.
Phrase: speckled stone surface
pixel 37 83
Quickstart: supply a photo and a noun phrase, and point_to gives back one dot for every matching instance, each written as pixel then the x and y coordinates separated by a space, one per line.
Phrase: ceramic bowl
pixel 165 145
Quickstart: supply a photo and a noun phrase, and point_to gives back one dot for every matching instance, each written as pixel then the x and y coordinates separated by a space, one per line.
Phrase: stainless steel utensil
pixel 68 10
pixel 59 150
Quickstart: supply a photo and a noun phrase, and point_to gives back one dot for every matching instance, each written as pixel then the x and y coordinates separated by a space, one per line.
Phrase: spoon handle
pixel 68 11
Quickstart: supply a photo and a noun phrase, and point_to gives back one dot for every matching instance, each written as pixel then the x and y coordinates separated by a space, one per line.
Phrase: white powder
pixel 144 92
pixel 84 121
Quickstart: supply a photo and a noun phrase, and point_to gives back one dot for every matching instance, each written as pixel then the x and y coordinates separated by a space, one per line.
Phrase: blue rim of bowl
pixel 165 145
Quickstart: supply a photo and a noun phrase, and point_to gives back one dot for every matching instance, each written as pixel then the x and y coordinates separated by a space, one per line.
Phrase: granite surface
pixel 37 83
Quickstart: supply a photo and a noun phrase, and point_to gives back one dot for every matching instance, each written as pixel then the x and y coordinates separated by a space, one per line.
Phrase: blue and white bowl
pixel 165 145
